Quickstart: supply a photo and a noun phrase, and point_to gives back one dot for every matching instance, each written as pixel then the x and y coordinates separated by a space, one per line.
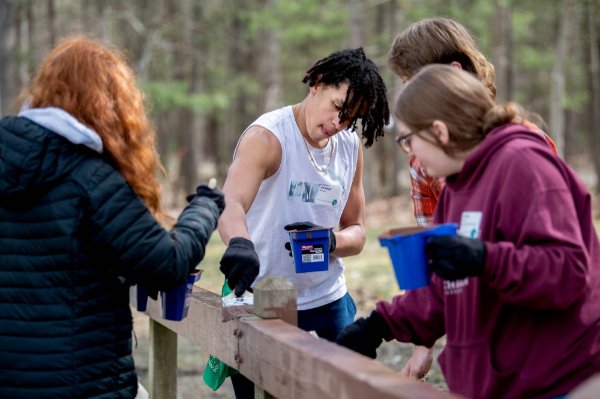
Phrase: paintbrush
pixel 233 307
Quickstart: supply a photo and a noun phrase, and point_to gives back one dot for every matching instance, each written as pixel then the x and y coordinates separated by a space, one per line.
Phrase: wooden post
pixel 162 370
pixel 274 297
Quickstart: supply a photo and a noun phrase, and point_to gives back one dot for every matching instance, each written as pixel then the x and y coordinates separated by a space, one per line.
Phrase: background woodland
pixel 210 67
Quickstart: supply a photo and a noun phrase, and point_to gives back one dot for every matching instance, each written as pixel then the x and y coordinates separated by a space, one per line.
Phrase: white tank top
pixel 298 192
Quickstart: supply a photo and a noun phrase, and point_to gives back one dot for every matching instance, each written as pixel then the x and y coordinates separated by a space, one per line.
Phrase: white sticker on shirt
pixel 322 194
pixel 329 195
pixel 469 224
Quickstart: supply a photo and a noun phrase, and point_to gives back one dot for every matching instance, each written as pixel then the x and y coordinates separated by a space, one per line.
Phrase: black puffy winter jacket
pixel 73 238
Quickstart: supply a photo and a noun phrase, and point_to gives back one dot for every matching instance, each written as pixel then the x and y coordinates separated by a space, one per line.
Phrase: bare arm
pixel 258 157
pixel 419 363
pixel 350 239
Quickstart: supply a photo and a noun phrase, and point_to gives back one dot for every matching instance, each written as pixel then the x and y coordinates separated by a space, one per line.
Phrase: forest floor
pixel 373 266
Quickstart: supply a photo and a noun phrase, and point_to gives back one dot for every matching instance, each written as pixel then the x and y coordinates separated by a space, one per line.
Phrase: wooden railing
pixel 282 360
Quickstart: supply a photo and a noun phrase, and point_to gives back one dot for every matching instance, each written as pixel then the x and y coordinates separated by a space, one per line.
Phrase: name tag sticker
pixel 329 195
pixel 469 224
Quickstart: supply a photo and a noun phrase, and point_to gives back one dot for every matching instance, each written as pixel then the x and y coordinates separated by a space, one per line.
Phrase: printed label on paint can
pixel 312 253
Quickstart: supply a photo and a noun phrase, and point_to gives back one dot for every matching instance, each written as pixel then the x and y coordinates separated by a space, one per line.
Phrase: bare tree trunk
pixel 188 128
pixel 400 161
pixel 557 95
pixel 269 65
pixel 502 51
pixel 21 71
pixel 234 46
pixel 383 153
pixel 594 79
pixel 51 23
pixel 212 124
pixel 242 60
pixel 8 57
pixel 272 90
pixel 357 23
pixel 356 39
pixel 102 29
pixel 31 38
pixel 195 153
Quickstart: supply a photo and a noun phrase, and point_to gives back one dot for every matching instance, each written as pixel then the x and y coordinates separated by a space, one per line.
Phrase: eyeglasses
pixel 404 141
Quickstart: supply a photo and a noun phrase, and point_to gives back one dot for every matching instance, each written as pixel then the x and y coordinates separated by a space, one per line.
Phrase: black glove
pixel 153 293
pixel 455 257
pixel 214 194
pixel 240 264
pixel 364 335
pixel 306 226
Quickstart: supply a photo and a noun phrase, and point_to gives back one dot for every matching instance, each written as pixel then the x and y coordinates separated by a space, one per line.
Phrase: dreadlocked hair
pixel 366 90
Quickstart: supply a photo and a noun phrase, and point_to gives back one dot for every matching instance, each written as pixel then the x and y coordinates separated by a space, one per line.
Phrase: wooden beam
pixel 203 325
pixel 286 361
pixel 291 363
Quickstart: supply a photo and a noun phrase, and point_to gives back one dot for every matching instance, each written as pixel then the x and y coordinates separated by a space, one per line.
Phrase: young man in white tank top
pixel 303 164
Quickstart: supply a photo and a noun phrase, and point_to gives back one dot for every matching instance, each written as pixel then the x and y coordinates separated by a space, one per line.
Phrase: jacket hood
pixel 39 147
pixel 63 124
pixel 511 134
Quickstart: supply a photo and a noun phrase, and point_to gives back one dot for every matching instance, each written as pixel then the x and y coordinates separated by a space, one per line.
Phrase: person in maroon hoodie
pixel 517 291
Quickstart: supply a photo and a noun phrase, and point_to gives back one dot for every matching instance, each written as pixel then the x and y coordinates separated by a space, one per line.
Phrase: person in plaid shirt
pixel 436 41
pixel 425 190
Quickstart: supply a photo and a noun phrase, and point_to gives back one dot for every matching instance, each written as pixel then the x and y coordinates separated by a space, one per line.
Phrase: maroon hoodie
pixel 529 327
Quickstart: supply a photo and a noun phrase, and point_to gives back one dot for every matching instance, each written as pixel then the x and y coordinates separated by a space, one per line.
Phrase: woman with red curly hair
pixel 79 202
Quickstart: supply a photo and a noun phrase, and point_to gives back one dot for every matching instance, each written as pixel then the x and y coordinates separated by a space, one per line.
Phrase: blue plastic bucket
pixel 176 302
pixel 141 298
pixel 406 247
pixel 310 249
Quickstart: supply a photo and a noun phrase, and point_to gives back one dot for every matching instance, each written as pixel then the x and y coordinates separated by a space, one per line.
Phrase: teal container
pixel 310 249
pixel 406 247
pixel 176 302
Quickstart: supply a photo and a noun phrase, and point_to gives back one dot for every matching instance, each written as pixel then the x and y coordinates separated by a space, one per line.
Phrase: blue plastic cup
pixel 176 302
pixel 407 250
pixel 141 298
pixel 310 249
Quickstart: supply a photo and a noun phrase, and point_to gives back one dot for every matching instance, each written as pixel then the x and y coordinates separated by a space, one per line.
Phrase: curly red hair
pixel 96 86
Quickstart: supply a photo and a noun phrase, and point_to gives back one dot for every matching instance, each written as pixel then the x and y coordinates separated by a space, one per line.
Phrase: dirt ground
pixel 191 362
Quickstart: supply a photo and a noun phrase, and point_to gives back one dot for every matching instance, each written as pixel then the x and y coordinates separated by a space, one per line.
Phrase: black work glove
pixel 455 257
pixel 240 264
pixel 214 194
pixel 306 226
pixel 364 335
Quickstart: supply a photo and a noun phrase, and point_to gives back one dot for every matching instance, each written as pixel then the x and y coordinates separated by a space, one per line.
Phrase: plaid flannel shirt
pixel 425 190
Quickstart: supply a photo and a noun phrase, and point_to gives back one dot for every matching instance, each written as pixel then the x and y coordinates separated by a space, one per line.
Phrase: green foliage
pixel 164 96
pixel 220 46
pixel 576 98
